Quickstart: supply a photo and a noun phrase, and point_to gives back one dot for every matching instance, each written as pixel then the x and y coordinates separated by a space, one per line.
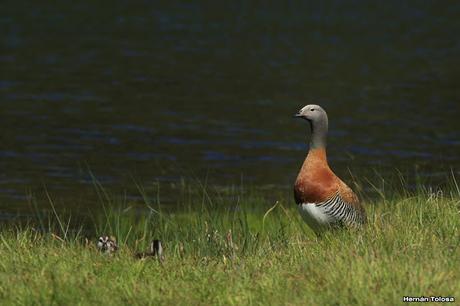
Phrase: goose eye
pixel 312 109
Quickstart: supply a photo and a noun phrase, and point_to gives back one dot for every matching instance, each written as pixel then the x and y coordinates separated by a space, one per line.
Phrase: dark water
pixel 152 93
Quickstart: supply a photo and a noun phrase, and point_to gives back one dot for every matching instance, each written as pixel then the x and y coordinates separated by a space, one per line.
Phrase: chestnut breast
pixel 316 182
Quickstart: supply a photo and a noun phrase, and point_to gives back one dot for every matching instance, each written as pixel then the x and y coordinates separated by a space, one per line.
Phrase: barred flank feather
pixel 336 208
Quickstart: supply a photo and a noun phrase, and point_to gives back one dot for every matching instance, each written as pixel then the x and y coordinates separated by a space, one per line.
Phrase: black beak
pixel 298 115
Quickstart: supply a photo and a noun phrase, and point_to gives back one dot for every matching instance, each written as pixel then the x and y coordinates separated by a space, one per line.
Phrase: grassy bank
pixel 238 254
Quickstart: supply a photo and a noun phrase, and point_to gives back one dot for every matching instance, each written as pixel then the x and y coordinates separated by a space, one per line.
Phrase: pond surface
pixel 141 94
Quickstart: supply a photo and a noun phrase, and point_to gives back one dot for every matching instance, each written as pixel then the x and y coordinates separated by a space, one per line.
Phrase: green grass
pixel 236 248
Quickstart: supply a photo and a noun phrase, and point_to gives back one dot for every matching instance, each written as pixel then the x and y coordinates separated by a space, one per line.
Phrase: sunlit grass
pixel 235 248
